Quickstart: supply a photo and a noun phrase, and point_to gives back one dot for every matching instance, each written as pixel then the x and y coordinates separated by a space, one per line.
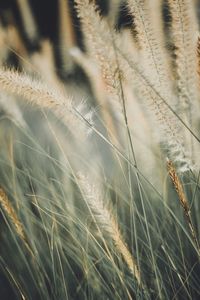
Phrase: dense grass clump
pixel 100 143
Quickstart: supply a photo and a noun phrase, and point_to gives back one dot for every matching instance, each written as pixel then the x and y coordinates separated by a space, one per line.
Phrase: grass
pixel 99 157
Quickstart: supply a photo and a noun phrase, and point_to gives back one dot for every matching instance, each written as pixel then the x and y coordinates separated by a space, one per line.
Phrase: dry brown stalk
pixel 107 221
pixel 198 55
pixel 122 248
pixel 183 200
pixel 9 209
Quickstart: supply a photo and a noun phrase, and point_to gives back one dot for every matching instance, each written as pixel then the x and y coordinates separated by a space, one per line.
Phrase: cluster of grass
pixel 99 156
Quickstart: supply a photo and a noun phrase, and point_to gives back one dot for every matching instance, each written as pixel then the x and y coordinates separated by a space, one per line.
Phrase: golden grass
pixel 183 201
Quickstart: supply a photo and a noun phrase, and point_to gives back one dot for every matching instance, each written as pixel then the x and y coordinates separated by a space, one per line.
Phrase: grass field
pixel 100 150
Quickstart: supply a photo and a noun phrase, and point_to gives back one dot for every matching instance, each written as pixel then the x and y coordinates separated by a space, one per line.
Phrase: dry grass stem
pixel 107 221
pixel 10 211
pixel 183 200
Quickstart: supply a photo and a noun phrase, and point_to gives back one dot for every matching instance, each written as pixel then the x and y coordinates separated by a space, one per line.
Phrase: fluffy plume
pixel 106 221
